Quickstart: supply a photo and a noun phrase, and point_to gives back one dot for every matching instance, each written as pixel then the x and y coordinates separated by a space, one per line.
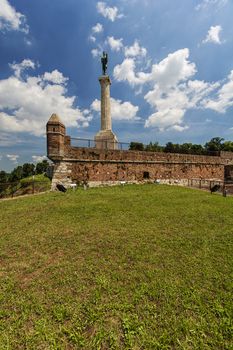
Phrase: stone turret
pixel 56 132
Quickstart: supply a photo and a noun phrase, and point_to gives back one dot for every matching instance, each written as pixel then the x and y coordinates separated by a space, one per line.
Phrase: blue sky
pixel 170 63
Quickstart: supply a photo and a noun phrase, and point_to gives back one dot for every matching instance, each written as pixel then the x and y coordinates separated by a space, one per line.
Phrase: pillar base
pixel 106 139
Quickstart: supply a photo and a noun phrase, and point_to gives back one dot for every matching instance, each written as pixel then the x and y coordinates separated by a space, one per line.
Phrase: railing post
pixel 224 191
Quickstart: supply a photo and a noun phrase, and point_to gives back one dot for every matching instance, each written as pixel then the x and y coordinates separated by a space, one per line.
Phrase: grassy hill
pixel 27 185
pixel 132 267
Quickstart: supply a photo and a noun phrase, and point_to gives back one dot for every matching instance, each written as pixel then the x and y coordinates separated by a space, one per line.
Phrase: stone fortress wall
pixel 111 166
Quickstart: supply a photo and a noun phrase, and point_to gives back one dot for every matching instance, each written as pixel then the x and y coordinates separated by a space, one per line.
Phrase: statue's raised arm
pixel 104 61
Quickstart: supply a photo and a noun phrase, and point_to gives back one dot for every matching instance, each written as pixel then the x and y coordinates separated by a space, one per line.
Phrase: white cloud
pixel 223 98
pixel 172 103
pixel 10 19
pixel 28 42
pixel 179 128
pixel 95 106
pixel 123 110
pixel 38 159
pixel 8 140
pixel 173 91
pixel 165 118
pixel 98 28
pixel 115 44
pixel 55 77
pixel 92 38
pixel 86 112
pixel 126 72
pixel 18 68
pixel 111 13
pixel 27 103
pixel 205 4
pixel 173 69
pixel 119 110
pixel 213 35
pixel 96 52
pixel 135 50
pixel 13 157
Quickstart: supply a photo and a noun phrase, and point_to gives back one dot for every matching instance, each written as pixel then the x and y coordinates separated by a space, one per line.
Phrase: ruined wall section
pixel 93 154
pixel 135 172
pixel 100 166
pixel 112 166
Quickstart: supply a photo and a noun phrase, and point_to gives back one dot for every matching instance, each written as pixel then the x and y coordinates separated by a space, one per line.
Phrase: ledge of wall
pixel 93 154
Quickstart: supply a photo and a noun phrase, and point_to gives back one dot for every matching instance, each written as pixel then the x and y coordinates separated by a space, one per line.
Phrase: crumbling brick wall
pixel 115 171
pixel 73 164
pixel 93 165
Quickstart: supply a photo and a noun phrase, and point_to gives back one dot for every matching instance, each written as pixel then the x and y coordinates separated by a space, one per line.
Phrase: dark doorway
pixel 146 175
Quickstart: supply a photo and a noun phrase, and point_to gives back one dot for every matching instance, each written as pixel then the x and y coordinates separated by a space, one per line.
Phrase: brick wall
pixel 94 154
pixel 111 166
pixel 135 172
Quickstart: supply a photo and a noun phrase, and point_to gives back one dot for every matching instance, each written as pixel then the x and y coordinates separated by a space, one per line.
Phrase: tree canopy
pixel 212 147
pixel 23 171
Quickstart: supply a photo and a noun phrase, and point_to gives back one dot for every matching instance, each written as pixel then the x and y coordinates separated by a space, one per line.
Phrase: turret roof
pixel 55 118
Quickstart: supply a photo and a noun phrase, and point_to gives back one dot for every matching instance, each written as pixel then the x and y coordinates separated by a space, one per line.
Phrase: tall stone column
pixel 105 138
pixel 106 122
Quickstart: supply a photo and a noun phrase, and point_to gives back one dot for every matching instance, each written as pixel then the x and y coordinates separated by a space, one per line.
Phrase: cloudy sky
pixel 170 63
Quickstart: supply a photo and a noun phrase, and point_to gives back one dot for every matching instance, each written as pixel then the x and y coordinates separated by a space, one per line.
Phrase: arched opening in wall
pixel 54 129
pixel 146 175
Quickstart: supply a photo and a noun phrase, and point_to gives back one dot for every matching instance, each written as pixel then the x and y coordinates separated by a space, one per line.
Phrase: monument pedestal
pixel 106 139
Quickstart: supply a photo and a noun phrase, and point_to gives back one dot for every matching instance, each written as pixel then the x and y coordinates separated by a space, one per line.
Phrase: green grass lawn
pixel 36 178
pixel 131 267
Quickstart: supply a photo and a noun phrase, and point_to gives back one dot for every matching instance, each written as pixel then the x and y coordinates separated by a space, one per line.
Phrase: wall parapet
pixel 93 154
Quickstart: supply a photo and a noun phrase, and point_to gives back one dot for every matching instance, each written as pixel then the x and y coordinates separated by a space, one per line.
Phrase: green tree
pixel 214 145
pixel 42 167
pixel 186 148
pixel 227 146
pixel 136 146
pixel 16 174
pixel 171 148
pixel 153 147
pixel 197 149
pixel 28 169
pixel 3 177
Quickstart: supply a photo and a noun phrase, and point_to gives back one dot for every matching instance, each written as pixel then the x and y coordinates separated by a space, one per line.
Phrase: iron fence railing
pixel 225 187
pixel 108 144
pixel 18 188
pixel 204 183
pixel 103 144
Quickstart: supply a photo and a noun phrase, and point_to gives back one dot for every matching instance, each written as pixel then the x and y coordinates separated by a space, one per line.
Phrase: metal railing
pixel 225 187
pixel 99 144
pixel 204 183
pixel 18 188
pixel 108 144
